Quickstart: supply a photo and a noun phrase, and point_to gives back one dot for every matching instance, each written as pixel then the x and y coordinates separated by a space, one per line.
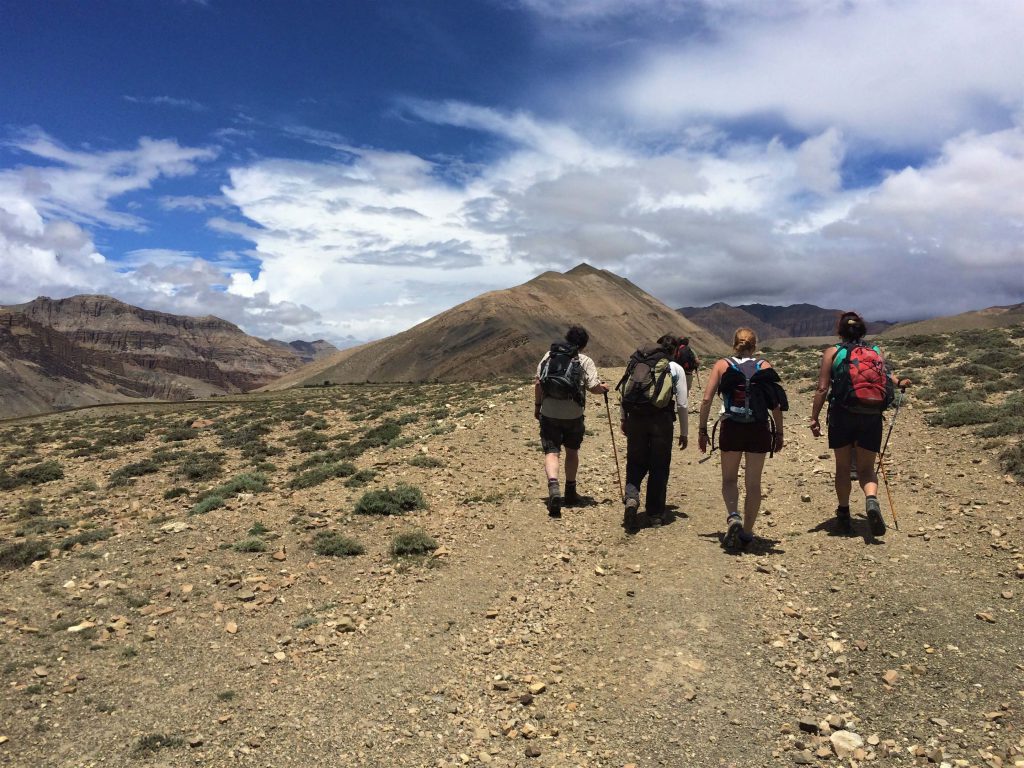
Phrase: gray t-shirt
pixel 568 409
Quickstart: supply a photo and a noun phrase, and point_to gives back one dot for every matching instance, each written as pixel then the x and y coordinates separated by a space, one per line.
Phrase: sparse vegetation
pixel 86 537
pixel 152 743
pixel 21 554
pixel 334 544
pixel 415 542
pixel 385 501
pixel 426 462
pixel 321 474
pixel 250 544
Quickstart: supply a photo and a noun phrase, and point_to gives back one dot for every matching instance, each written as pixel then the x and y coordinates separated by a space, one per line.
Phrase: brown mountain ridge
pixel 504 333
pixel 771 322
pixel 82 350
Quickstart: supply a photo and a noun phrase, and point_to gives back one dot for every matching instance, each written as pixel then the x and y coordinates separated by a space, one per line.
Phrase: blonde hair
pixel 744 341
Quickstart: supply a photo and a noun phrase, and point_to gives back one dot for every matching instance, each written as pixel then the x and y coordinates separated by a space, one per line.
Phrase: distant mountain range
pixel 57 354
pixel 505 333
pixel 771 322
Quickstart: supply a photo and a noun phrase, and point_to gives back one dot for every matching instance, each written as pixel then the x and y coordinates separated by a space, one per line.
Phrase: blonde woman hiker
pixel 749 426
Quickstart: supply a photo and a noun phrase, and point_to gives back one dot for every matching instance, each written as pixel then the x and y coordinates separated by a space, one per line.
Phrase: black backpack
pixel 646 386
pixel 561 374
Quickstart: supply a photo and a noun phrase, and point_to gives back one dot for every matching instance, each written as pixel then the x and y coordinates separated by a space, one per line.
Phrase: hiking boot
pixel 666 517
pixel 631 503
pixel 571 498
pixel 732 533
pixel 554 505
pixel 875 522
pixel 844 524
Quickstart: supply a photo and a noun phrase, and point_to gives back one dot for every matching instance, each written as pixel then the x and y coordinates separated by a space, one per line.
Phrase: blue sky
pixel 347 169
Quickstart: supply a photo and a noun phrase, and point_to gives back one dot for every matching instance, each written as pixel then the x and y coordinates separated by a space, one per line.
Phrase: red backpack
pixel 860 379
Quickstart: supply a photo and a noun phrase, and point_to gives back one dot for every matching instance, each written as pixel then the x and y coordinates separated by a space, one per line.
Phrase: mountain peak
pixel 584 269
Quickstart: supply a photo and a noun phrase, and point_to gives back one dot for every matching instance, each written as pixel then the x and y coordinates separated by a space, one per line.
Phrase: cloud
pixel 167 101
pixel 46 247
pixel 902 73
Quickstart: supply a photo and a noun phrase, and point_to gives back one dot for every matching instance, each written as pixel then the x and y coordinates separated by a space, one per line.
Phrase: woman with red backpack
pixel 858 385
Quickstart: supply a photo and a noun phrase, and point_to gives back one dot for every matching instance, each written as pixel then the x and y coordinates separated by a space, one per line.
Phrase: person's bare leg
pixel 866 471
pixel 551 466
pixel 752 487
pixel 572 465
pixel 844 456
pixel 730 484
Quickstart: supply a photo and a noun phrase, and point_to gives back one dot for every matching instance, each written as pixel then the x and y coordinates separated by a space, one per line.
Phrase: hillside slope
pixel 84 350
pixel 505 333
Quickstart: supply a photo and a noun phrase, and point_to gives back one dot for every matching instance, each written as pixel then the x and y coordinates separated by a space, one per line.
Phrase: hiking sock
pixel 875 522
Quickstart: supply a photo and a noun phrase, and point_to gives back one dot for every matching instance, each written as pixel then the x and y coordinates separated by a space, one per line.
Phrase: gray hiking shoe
pixel 554 505
pixel 732 533
pixel 875 522
pixel 631 503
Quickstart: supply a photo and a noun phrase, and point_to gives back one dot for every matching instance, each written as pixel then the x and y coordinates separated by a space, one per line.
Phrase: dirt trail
pixel 530 641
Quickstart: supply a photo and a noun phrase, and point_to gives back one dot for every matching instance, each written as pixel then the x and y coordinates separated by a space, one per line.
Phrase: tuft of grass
pixel 415 542
pixel 247 482
pixel 334 544
pixel 202 465
pixel 360 478
pixel 258 529
pixel 1012 461
pixel 180 434
pixel 37 474
pixel 251 544
pixel 38 525
pixel 31 508
pixel 21 554
pixel 321 474
pixel 226 696
pixel 125 474
pixel 152 743
pixel 387 501
pixel 206 504
pixel 426 462
pixel 86 538
pixel 174 493
pixel 959 414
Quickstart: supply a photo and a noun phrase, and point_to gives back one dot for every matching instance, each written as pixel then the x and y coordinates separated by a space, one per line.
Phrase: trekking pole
pixel 881 456
pixel 615 451
pixel 697 372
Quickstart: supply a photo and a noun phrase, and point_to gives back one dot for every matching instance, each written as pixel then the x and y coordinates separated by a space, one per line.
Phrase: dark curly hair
pixel 577 336
pixel 851 326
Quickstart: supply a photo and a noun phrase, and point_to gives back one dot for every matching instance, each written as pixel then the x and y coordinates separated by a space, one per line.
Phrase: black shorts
pixel 554 433
pixel 846 428
pixel 749 437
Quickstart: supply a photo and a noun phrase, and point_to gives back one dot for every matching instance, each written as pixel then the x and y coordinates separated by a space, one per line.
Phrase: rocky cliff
pixel 771 322
pixel 87 349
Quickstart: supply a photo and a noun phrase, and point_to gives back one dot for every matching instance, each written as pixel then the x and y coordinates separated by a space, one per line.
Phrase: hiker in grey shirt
pixel 564 375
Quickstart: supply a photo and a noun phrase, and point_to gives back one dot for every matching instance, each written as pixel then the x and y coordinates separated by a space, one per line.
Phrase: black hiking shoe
pixel 571 498
pixel 844 524
pixel 554 505
pixel 732 533
pixel 631 503
pixel 875 522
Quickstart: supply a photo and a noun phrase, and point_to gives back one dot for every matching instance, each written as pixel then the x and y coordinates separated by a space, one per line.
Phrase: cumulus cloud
pixel 902 73
pixel 47 248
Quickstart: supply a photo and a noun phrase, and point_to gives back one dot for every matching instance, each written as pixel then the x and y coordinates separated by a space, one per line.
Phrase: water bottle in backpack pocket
pixel 736 403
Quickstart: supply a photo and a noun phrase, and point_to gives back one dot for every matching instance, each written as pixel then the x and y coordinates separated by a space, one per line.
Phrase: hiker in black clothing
pixel 751 426
pixel 858 385
pixel 687 359
pixel 563 377
pixel 652 398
